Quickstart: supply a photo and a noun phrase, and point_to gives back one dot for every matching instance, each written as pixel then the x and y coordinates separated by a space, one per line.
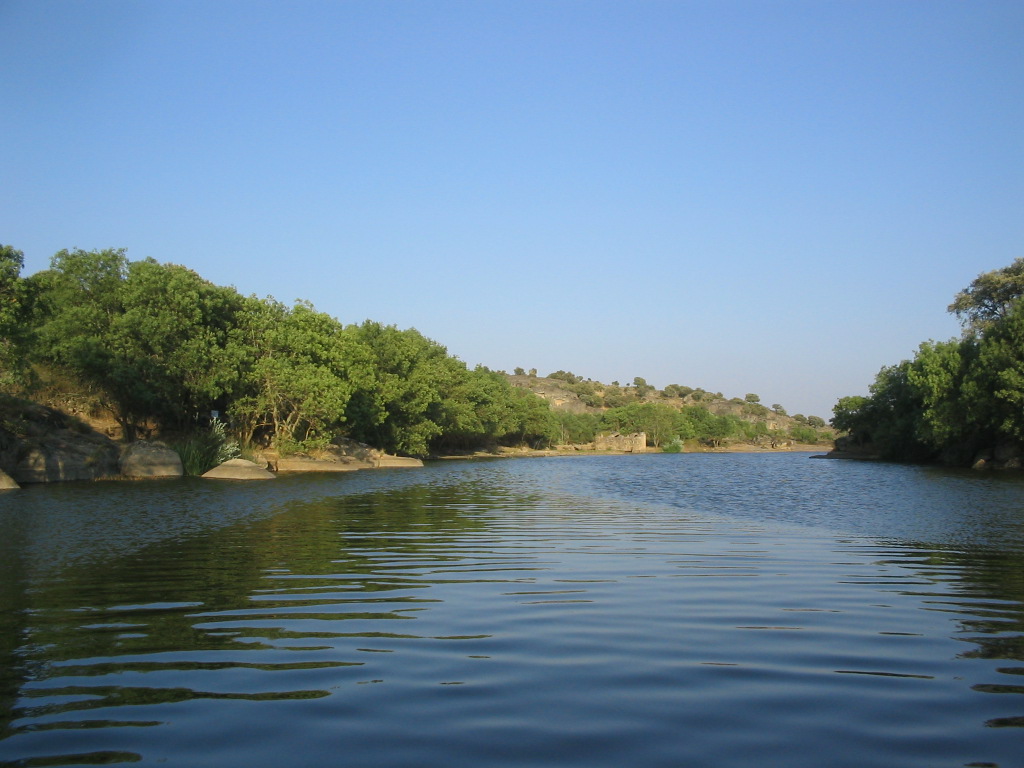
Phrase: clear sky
pixel 777 197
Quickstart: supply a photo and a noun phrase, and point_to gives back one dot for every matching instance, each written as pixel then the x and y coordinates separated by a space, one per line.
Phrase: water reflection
pixel 513 613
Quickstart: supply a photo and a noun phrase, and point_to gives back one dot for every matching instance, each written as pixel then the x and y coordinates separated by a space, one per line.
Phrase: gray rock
pixel 146 459
pixel 240 469
pixel 307 464
pixel 6 482
pixel 62 458
pixel 386 461
pixel 43 445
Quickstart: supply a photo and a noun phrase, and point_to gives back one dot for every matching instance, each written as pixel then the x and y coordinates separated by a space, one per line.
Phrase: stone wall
pixel 635 443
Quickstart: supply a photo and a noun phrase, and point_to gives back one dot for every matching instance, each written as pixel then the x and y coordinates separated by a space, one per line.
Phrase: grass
pixel 205 449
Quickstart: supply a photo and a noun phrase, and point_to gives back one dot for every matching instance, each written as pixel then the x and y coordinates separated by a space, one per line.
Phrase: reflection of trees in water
pixel 244 587
pixel 14 614
pixel 994 583
pixel 986 587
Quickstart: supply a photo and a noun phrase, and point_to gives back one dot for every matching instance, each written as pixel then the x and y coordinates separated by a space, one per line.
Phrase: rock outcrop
pixel 343 455
pixel 239 469
pixel 386 461
pixel 7 482
pixel 310 464
pixel 150 459
pixel 43 445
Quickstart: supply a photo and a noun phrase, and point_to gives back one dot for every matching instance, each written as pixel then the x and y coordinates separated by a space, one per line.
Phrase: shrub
pixel 675 446
pixel 205 449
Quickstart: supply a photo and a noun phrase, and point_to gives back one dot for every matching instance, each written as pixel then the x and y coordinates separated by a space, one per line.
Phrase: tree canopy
pixel 956 398
pixel 164 348
pixel 990 296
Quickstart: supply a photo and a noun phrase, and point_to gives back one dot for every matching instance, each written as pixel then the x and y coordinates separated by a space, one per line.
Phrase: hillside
pixel 568 393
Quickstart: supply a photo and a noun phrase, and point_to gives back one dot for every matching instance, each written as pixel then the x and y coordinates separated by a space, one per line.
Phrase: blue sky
pixel 756 196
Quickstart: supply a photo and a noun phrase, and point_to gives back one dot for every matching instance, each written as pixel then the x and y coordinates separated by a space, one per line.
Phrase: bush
pixel 205 449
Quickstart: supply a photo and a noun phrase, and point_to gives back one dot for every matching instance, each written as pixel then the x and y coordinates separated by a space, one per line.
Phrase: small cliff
pixel 39 444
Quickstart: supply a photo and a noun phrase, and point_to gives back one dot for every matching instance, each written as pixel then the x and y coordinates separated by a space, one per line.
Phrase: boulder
pixel 309 464
pixel 386 461
pixel 347 448
pixel 240 469
pixel 62 457
pixel 146 459
pixel 43 445
pixel 6 482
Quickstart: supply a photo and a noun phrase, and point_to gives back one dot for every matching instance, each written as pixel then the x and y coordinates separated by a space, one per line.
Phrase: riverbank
pixel 570 450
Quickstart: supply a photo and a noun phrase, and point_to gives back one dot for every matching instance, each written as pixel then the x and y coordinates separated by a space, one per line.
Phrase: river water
pixel 651 610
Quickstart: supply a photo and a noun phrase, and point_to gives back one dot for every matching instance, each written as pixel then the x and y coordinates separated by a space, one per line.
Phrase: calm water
pixel 661 610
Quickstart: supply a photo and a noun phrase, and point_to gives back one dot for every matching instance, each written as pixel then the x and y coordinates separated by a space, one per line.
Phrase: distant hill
pixel 569 393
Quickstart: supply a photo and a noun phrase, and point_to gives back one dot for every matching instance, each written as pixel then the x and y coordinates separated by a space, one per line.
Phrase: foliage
pixel 301 369
pixel 576 428
pixel 676 390
pixel 153 336
pixel 204 449
pixel 643 389
pixel 413 395
pixel 14 306
pixel 673 446
pixel 658 420
pixel 954 398
pixel 990 296
pixel 163 347
pixel 566 376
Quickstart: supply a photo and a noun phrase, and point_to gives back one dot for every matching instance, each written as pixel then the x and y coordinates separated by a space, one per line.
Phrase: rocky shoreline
pixel 1001 457
pixel 48 446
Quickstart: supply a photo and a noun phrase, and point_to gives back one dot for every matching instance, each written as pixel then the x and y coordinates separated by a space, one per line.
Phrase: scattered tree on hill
pixel 676 390
pixel 642 387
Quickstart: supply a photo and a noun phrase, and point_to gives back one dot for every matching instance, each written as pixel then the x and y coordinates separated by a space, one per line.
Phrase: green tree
pixel 536 422
pixel 171 342
pixel 409 401
pixel 14 329
pixel 993 387
pixel 78 301
pixel 676 390
pixel 657 420
pixel 936 375
pixel 852 414
pixel 576 428
pixel 485 409
pixel 990 296
pixel 954 398
pixel 301 370
pixel 643 389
